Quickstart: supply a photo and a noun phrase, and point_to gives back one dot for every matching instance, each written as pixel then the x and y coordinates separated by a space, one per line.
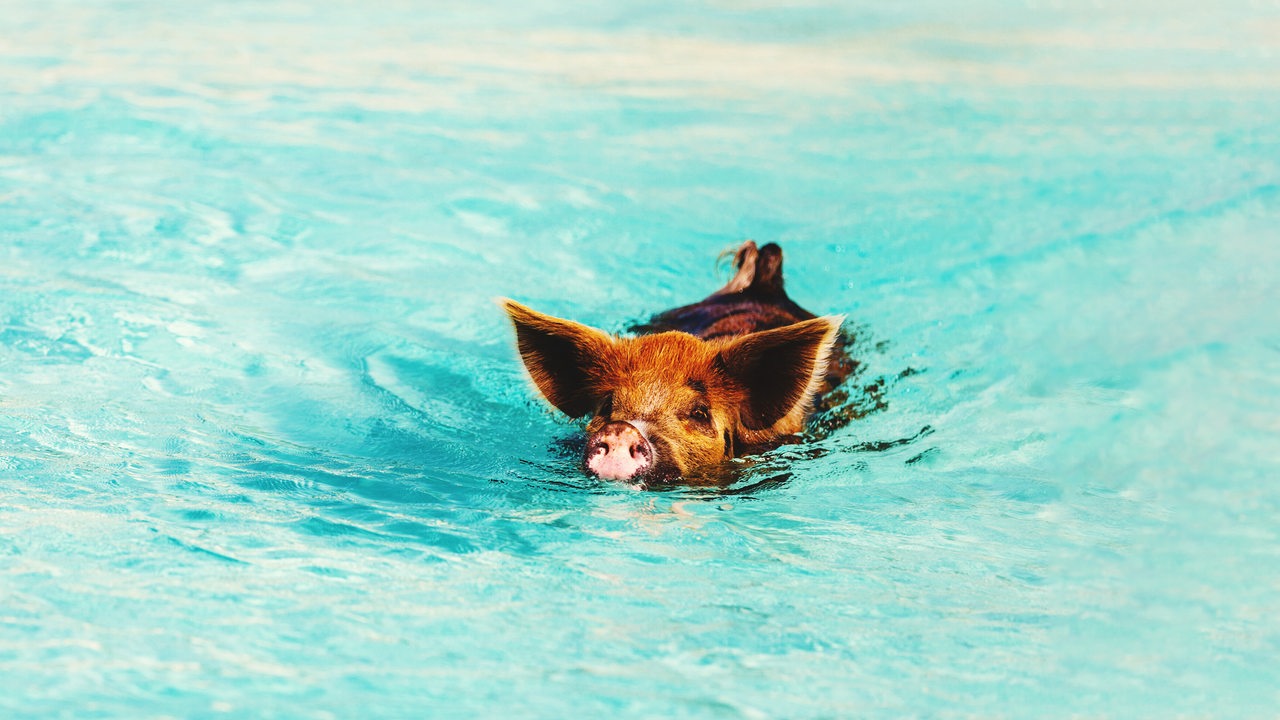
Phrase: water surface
pixel 266 449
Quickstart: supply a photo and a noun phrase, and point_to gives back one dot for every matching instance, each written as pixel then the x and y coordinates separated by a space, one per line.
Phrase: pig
pixel 731 375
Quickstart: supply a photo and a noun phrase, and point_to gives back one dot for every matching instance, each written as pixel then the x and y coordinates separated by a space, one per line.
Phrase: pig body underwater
pixel 731 375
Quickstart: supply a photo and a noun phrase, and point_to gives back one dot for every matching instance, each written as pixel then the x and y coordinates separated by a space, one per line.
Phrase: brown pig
pixel 702 383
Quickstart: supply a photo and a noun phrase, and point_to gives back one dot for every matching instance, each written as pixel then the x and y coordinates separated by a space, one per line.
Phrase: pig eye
pixel 700 414
pixel 606 408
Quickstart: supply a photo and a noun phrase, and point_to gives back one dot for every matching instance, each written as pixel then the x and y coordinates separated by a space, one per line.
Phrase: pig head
pixel 665 404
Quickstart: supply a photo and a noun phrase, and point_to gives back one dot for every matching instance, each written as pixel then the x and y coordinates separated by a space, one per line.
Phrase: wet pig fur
pixel 699 384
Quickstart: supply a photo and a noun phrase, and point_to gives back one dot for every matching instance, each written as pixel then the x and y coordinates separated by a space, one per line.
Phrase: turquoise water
pixel 266 449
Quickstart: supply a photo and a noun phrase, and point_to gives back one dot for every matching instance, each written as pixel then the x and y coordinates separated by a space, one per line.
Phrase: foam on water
pixel 266 448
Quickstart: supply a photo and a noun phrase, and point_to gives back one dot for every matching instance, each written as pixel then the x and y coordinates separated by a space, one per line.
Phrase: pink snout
pixel 618 452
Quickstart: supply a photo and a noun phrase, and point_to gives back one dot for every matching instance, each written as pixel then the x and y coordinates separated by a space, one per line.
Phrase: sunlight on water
pixel 267 449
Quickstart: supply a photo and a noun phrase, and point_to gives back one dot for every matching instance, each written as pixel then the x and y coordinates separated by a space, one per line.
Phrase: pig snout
pixel 618 451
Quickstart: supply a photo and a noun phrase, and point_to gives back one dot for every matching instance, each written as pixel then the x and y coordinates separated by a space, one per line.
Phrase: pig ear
pixel 562 357
pixel 779 368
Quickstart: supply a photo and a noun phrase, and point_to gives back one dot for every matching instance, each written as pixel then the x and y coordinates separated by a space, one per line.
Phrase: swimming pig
pixel 700 384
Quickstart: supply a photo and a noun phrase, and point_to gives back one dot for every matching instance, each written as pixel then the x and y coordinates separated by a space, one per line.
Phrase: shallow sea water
pixel 266 448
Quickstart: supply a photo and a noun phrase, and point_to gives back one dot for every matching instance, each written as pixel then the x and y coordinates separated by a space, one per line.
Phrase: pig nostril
pixel 618 451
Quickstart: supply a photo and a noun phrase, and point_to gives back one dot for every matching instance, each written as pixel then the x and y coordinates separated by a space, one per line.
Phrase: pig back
pixel 755 299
